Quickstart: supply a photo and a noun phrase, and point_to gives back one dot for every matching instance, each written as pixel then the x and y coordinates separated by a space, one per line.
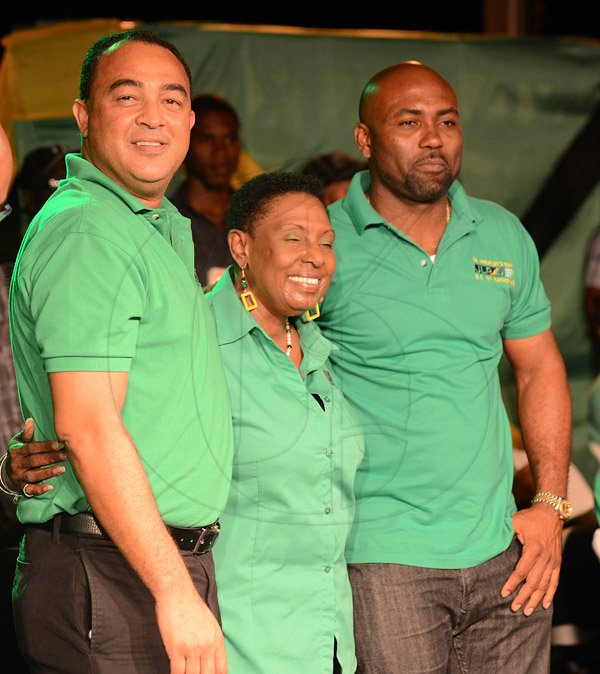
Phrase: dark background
pixel 550 18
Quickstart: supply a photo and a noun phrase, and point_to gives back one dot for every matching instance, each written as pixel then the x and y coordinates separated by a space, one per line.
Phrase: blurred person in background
pixel 334 170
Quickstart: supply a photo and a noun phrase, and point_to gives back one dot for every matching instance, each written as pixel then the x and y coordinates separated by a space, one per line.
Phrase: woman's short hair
pixel 249 203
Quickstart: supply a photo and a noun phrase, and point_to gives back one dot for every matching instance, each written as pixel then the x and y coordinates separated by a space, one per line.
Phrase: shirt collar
pixel 356 204
pixel 234 322
pixel 464 214
pixel 315 347
pixel 166 219
pixel 80 168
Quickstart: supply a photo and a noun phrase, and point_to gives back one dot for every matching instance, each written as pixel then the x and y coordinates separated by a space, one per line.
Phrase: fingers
pixel 32 462
pixel 177 664
pixel 221 661
pixel 34 467
pixel 25 491
pixel 28 430
pixel 208 667
pixel 35 478
pixel 41 458
pixel 544 594
pixel 535 588
pixel 22 444
pixel 21 476
pixel 208 662
pixel 536 579
pixel 30 454
pixel 31 489
pixel 513 582
pixel 552 587
pixel 214 659
pixel 49 448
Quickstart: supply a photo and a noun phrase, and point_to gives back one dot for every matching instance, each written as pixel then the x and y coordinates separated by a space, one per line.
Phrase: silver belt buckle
pixel 206 531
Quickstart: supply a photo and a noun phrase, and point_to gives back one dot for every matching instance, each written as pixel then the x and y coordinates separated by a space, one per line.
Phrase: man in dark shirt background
pixel 204 195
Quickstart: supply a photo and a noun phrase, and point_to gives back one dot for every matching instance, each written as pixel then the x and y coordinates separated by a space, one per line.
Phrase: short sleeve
pixel 86 297
pixel 529 313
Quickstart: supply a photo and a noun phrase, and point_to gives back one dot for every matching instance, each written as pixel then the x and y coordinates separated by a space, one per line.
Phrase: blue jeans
pixel 411 620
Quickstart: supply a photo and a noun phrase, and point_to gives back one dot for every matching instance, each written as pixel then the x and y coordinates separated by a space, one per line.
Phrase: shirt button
pixel 327 568
pixel 423 263
pixel 155 216
pixel 327 511
pixel 329 454
pixel 327 399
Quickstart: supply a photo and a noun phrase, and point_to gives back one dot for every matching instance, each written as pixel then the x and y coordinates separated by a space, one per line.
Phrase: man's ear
pixel 81 114
pixel 239 246
pixel 362 138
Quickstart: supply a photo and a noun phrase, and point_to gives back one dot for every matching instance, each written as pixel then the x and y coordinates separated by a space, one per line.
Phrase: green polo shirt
pixel 283 584
pixel 419 346
pixel 103 283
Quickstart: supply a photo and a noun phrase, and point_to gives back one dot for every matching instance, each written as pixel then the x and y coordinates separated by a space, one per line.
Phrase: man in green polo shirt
pixel 115 354
pixel 431 286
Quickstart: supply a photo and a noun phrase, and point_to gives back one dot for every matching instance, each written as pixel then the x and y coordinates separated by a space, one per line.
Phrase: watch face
pixel 566 509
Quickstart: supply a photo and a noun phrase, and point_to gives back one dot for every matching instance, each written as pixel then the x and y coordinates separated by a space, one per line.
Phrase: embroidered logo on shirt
pixel 497 271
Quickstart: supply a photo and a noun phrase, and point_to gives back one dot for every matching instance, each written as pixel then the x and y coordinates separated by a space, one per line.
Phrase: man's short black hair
pixel 214 103
pixel 90 61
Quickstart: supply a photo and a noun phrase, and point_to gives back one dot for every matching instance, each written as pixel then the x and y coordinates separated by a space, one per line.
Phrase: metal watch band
pixel 559 503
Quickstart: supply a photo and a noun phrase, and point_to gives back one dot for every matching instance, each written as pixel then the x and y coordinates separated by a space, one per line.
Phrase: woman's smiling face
pixel 289 254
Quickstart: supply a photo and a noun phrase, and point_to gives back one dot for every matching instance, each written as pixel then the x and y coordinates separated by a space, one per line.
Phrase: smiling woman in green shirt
pixel 283 586
pixel 284 594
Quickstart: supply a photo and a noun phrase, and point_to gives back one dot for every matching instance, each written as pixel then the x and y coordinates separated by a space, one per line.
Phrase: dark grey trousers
pixel 411 620
pixel 79 607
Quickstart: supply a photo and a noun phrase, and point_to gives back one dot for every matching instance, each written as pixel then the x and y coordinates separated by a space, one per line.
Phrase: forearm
pixel 87 418
pixel 117 488
pixel 111 472
pixel 545 418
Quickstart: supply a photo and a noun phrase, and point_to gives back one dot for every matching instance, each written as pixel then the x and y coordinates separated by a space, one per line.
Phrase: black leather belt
pixel 197 540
